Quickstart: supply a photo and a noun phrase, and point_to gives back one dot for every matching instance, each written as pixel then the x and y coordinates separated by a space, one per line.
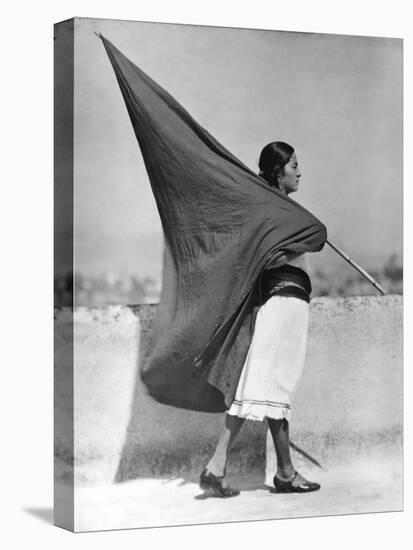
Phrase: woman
pixel 223 228
pixel 275 359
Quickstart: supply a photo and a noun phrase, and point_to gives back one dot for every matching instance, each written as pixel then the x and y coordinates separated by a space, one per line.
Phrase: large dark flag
pixel 222 225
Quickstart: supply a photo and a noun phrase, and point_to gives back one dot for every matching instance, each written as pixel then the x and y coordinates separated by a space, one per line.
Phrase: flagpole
pixel 357 267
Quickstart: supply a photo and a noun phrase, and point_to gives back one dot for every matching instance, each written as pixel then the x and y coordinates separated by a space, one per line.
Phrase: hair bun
pixel 273 158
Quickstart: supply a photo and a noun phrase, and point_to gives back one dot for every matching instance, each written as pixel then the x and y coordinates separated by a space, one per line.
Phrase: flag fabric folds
pixel 222 225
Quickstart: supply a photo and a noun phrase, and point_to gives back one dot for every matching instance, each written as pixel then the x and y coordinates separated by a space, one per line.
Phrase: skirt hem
pixel 259 413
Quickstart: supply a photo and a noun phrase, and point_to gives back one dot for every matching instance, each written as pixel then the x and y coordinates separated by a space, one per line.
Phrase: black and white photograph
pixel 228 274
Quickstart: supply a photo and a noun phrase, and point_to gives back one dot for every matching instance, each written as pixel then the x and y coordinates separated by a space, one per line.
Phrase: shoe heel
pixel 211 492
pixel 212 486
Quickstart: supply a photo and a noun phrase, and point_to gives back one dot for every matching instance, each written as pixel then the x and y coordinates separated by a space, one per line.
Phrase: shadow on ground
pixel 44 514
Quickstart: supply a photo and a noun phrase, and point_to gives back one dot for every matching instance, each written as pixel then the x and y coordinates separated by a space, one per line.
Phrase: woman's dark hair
pixel 273 158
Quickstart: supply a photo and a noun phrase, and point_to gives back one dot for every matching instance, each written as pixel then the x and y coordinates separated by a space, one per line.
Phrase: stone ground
pixel 360 487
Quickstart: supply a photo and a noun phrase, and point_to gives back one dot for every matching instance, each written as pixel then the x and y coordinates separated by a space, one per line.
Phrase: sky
pixel 336 99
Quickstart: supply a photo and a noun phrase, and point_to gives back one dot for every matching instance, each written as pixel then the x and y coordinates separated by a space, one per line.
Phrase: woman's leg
pixel 285 470
pixel 217 464
pixel 281 437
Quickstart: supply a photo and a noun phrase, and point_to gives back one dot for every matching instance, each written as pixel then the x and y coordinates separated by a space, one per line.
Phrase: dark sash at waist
pixel 287 280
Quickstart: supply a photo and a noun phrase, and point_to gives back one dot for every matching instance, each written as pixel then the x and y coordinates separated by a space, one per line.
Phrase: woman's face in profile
pixel 290 176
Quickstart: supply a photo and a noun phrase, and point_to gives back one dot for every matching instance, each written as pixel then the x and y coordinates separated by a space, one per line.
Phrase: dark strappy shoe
pixel 288 486
pixel 212 485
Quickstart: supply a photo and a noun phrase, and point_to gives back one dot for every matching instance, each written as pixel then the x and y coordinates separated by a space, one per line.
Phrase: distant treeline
pixel 389 276
pixel 106 289
pixel 129 289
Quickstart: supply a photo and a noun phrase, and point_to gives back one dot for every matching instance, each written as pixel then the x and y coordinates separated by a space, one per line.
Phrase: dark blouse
pixel 287 280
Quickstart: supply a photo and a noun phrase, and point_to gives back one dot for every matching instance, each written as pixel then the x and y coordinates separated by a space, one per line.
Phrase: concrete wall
pixel 349 401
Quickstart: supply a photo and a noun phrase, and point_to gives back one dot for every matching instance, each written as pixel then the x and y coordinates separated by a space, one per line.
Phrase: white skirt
pixel 275 360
